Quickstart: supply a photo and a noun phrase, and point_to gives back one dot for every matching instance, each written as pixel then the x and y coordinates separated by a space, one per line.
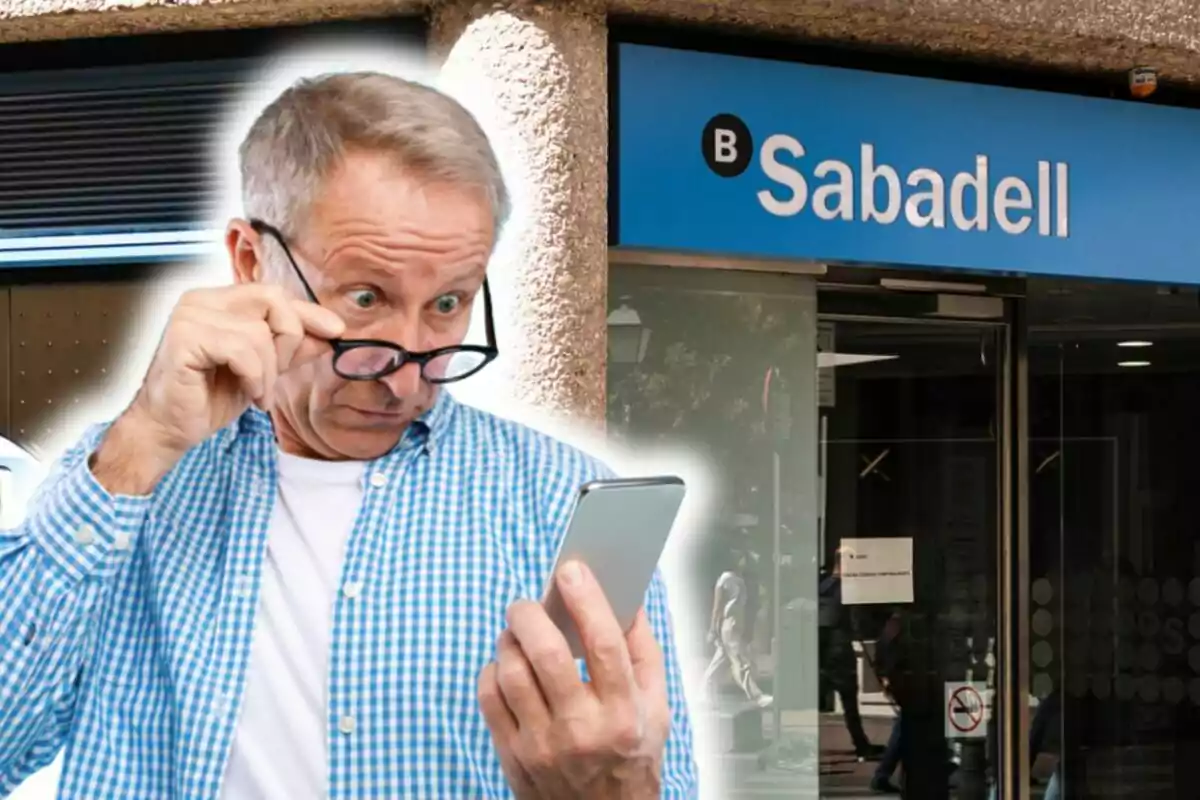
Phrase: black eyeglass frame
pixel 343 346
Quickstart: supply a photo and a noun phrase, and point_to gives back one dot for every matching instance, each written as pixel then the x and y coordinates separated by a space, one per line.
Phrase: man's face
pixel 399 259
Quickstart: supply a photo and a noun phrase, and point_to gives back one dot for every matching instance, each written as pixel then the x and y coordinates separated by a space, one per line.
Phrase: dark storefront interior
pixel 1114 552
pixel 910 448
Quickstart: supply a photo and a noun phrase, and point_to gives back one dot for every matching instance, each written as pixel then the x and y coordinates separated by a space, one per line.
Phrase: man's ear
pixel 244 246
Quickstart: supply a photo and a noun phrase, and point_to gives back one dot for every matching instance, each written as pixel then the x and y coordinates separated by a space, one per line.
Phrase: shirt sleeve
pixel 54 568
pixel 679 773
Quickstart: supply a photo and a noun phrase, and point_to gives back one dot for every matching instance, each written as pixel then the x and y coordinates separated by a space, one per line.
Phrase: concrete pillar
pixel 535 75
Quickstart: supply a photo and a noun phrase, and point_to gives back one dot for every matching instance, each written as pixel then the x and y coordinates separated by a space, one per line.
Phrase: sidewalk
pixel 804 763
pixel 789 775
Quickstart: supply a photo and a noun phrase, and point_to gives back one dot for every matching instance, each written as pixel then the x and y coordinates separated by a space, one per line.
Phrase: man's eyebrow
pixel 350 270
pixel 468 273
pixel 352 267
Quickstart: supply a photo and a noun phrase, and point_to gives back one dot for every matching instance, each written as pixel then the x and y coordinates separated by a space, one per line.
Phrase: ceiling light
pixel 1134 343
pixel 830 360
pixel 1133 363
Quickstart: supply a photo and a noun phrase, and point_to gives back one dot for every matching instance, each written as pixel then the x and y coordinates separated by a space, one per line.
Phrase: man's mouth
pixel 377 414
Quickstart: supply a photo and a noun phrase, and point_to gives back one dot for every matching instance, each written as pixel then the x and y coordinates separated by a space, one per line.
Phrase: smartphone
pixel 619 529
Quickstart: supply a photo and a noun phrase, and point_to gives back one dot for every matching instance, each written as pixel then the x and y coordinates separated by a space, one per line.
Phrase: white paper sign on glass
pixel 876 571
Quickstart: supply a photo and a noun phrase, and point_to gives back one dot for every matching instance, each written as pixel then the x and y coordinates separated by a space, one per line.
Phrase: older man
pixel 294 567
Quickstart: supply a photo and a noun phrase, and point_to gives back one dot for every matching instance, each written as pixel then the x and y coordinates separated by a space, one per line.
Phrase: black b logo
pixel 727 145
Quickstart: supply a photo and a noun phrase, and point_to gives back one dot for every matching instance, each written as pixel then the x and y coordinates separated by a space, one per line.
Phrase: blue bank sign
pixel 740 156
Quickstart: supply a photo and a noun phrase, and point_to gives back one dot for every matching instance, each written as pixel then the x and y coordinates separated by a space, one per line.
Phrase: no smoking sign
pixel 966 710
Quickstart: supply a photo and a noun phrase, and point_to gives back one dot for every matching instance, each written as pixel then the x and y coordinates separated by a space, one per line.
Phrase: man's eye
pixel 364 298
pixel 447 303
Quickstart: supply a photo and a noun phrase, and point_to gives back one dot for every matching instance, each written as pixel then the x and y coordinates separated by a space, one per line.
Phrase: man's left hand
pixel 559 736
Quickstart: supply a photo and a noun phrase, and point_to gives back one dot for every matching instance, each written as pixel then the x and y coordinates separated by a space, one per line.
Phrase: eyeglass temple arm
pixel 271 230
pixel 311 294
pixel 489 323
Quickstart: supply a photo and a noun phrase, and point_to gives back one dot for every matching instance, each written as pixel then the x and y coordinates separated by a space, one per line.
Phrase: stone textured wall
pixel 34 20
pixel 1099 35
pixel 1096 35
pixel 537 73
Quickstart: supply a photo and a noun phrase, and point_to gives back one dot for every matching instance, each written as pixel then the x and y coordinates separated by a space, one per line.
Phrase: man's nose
pixel 404 382
pixel 407 331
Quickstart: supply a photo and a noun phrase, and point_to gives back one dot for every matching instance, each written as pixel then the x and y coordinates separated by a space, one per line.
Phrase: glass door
pixel 912 427
pixel 1114 551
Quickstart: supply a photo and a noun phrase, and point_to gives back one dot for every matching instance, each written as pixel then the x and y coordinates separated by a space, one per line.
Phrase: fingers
pixel 288 317
pixel 286 327
pixel 244 361
pixel 603 639
pixel 504 728
pixel 299 330
pixel 495 710
pixel 258 337
pixel 283 312
pixel 646 655
pixel 318 321
pixel 258 331
pixel 518 684
pixel 547 652
pixel 245 347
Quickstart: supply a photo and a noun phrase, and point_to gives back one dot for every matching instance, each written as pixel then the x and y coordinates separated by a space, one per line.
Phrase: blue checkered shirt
pixel 125 622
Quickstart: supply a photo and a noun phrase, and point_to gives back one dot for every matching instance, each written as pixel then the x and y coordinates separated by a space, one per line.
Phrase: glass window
pixel 1114 555
pixel 724 363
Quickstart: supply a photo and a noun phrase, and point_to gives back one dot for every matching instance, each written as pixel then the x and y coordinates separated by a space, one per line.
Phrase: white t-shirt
pixel 280 745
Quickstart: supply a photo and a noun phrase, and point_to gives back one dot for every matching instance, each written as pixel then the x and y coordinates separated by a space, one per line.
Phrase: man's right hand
pixel 222 350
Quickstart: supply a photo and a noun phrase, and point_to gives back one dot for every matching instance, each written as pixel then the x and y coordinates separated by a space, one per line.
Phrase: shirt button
pixel 85 535
pixel 241 586
pixel 346 724
pixel 352 589
pixel 122 540
pixel 378 480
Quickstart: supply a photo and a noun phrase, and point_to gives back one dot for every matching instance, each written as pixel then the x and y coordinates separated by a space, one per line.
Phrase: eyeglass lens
pixel 369 361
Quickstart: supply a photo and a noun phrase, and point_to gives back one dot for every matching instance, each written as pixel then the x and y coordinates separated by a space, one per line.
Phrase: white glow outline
pixel 381 54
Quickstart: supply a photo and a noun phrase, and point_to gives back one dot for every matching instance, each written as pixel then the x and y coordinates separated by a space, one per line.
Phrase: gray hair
pixel 303 134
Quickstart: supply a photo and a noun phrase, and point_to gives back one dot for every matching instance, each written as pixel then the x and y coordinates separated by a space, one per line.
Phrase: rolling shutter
pixel 111 149
pixel 109 163
pixel 106 157
pixel 118 149
pixel 110 158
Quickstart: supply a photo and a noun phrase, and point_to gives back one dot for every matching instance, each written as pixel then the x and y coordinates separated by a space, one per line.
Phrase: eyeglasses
pixel 372 359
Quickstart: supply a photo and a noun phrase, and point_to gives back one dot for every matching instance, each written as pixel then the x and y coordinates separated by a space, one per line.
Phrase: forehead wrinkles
pixel 388 244
pixel 414 253
pixel 401 236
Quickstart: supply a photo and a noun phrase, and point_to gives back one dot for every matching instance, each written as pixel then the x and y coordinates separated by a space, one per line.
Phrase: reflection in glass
pixel 724 364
